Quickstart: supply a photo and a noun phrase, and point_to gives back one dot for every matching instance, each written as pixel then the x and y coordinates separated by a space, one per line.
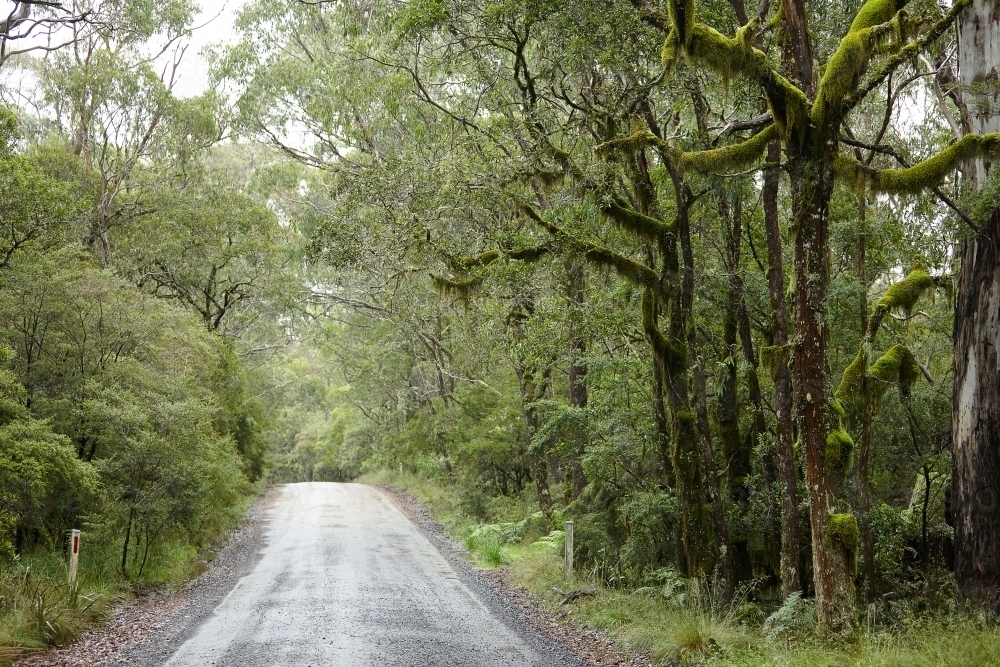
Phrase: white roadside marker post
pixel 569 550
pixel 74 554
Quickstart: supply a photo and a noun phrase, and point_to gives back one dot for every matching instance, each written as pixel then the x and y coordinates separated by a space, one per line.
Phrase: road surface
pixel 346 579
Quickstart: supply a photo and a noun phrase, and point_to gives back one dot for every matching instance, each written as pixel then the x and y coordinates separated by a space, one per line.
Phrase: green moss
pixel 632 271
pixel 771 356
pixel 921 176
pixel 668 54
pixel 932 171
pixel 874 12
pixel 839 449
pixel 529 254
pixel 681 14
pixel 632 221
pixel 842 529
pixel 872 28
pixel 477 261
pixel 673 355
pixel 461 289
pixel 852 381
pixel 897 365
pixel 729 158
pixel 904 295
pixel 730 58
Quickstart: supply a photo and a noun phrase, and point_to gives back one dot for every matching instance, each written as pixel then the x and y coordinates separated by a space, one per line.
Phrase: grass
pixel 688 629
pixel 39 609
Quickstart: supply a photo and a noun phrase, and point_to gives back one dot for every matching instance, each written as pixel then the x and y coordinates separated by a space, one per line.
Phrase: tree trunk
pixel 976 400
pixel 576 284
pixel 790 576
pixel 833 557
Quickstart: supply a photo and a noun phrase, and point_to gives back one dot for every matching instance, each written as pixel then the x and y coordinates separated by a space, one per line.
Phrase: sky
pixel 215 25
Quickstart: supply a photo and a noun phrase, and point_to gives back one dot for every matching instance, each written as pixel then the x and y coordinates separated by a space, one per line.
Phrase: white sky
pixel 215 25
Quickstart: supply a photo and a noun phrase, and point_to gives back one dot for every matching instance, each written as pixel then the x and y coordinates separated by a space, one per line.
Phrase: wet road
pixel 346 579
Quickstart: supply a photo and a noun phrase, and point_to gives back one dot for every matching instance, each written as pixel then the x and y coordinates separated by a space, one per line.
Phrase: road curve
pixel 346 579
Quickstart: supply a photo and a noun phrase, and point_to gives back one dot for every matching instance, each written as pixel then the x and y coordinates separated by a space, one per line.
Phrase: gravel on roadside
pixel 589 646
pixel 146 630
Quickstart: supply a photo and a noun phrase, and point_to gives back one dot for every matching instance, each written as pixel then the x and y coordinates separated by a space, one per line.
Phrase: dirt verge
pixel 146 630
pixel 591 647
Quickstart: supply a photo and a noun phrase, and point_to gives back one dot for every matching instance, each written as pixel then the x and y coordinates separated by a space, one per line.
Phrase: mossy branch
pixel 673 355
pixel 627 218
pixel 729 158
pixel 636 273
pixel 460 289
pixel 877 22
pixel 904 55
pixel 736 57
pixel 923 175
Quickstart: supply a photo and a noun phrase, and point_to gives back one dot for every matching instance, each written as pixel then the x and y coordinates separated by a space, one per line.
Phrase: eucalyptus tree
pixel 114 104
pixel 976 405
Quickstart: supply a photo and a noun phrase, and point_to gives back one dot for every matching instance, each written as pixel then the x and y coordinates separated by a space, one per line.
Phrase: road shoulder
pixel 571 643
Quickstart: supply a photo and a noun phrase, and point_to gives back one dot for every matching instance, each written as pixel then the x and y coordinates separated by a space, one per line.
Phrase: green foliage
pixel 796 616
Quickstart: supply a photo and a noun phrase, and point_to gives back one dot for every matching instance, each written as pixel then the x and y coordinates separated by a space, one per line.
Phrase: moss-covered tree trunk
pixel 976 400
pixel 576 282
pixel 787 469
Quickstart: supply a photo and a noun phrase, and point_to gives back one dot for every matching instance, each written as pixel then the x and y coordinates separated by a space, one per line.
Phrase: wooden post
pixel 569 550
pixel 74 554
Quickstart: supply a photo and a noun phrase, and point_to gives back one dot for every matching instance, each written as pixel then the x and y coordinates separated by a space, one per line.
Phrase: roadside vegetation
pixel 676 620
pixel 715 281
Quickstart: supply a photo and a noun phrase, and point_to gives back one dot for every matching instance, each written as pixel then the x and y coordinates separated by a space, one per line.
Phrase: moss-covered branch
pixel 460 289
pixel 736 57
pixel 636 273
pixel 875 24
pixel 673 355
pixel 904 55
pixel 923 175
pixel 627 218
pixel 729 158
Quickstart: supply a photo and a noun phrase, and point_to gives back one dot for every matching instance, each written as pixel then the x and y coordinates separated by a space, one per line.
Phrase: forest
pixel 718 282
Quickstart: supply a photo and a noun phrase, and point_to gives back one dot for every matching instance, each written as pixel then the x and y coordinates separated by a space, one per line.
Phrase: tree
pixel 976 403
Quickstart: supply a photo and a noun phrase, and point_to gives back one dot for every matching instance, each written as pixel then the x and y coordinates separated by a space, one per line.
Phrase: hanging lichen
pixel 842 530
pixel 734 57
pixel 729 158
pixel 926 174
pixel 460 289
pixel 630 220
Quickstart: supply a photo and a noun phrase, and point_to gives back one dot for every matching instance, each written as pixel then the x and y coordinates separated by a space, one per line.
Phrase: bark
pixel 976 399
pixel 735 448
pixel 576 284
pixel 812 185
pixel 790 575
pixel 976 417
pixel 724 552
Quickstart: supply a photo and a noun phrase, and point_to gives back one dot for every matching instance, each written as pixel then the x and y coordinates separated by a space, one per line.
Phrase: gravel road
pixel 346 579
